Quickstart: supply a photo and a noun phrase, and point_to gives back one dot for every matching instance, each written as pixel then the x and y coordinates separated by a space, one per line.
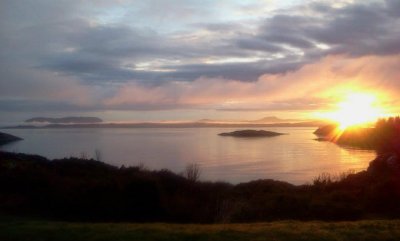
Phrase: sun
pixel 357 109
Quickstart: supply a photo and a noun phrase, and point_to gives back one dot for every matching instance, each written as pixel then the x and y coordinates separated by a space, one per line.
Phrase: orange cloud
pixel 314 86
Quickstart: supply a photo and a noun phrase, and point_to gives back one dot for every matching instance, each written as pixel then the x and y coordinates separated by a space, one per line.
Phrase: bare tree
pixel 192 172
pixel 98 155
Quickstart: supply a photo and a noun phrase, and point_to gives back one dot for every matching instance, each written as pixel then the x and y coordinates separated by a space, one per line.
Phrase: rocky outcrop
pixel 7 138
pixel 251 133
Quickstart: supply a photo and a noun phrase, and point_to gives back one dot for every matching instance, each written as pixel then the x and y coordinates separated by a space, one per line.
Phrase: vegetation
pixel 387 135
pixel 22 229
pixel 383 137
pixel 79 189
pixel 192 172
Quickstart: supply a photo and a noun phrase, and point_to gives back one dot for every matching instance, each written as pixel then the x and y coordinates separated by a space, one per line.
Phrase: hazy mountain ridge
pixel 65 120
pixel 276 120
pixel 267 119
pixel 95 122
pixel 169 125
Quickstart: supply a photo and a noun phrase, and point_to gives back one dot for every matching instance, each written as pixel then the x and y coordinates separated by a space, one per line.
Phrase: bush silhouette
pixel 82 189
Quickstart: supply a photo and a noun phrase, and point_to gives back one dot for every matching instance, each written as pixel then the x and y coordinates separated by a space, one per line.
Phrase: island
pixel 251 133
pixel 66 120
pixel 7 138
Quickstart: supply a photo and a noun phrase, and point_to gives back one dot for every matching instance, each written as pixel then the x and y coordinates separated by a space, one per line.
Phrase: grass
pixel 16 229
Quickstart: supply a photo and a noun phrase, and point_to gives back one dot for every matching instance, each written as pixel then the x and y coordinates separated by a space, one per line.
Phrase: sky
pixel 193 59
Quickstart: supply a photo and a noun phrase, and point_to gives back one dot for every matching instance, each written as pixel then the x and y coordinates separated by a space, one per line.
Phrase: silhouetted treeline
pixel 383 137
pixel 87 190
pixel 387 133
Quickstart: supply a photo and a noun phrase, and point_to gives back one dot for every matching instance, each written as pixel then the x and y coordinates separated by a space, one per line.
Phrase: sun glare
pixel 357 109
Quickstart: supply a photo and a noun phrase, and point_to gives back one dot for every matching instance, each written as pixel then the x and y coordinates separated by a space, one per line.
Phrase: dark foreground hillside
pixel 77 189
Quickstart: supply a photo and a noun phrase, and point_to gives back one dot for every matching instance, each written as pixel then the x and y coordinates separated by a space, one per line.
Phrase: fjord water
pixel 296 157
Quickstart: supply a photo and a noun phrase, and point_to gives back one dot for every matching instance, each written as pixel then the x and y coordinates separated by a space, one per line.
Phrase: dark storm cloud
pixel 97 54
pixel 360 30
pixel 93 70
pixel 393 7
pixel 356 29
pixel 110 52
pixel 258 45
pixel 239 71
pixel 292 40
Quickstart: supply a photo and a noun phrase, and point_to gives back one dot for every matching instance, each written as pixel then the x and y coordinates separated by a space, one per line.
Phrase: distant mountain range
pixel 65 120
pixel 268 119
pixel 94 122
pixel 171 125
pixel 274 119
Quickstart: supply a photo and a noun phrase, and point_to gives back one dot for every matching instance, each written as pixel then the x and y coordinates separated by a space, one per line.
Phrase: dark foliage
pixel 387 135
pixel 384 137
pixel 88 190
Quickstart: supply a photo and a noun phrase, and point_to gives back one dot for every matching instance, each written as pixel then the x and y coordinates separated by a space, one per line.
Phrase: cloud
pixel 130 55
pixel 113 52
pixel 313 87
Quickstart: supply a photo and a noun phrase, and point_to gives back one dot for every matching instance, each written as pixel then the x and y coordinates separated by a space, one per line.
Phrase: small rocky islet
pixel 251 133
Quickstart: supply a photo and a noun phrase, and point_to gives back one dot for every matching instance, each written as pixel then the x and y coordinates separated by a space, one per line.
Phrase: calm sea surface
pixel 296 158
